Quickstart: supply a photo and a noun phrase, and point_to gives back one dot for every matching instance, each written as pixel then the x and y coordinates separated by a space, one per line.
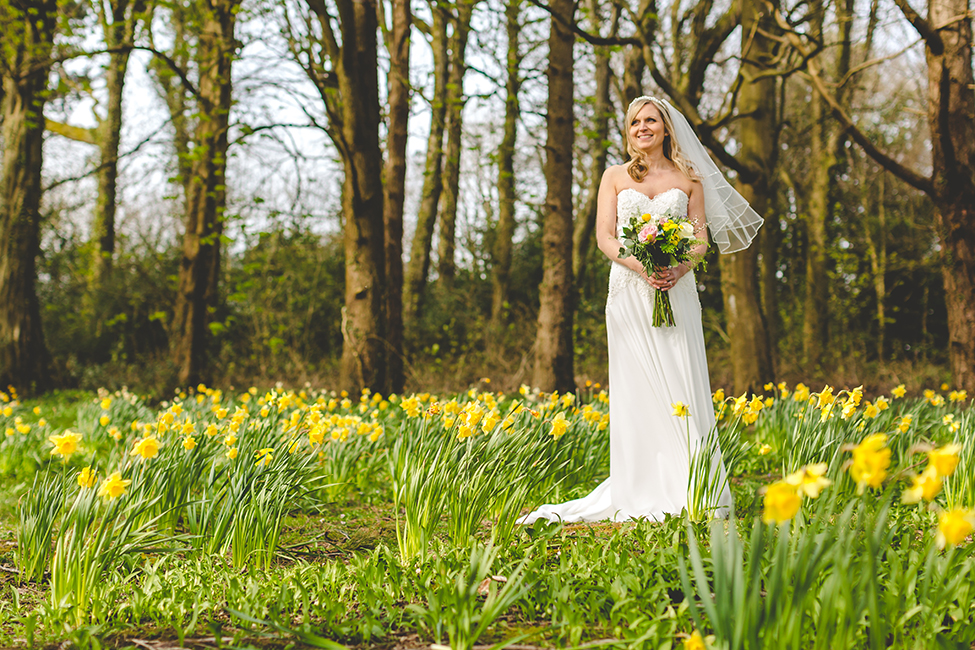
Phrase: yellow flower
pixel 740 403
pixel 898 391
pixel 232 453
pixel 680 410
pixel 944 386
pixel 603 423
pixel 718 396
pixel 926 486
pixel 230 440
pixel 946 420
pixel 764 449
pixel 87 478
pixel 264 411
pixel 106 403
pixel 809 481
pixel 559 426
pixel 871 411
pixel 826 397
pixel 148 448
pixel 221 413
pixel 264 456
pixel 9 431
pixel 781 503
pixel 37 410
pixel 769 386
pixel 645 218
pixel 411 405
pixel 7 411
pixel 871 458
pixel 928 394
pixel 114 486
pixel 104 420
pixel 954 526
pixel 115 433
pixel 42 422
pixel 956 396
pixel 189 443
pixel 694 642
pixel 882 403
pixel 848 410
pixel 945 459
pixel 937 400
pixel 905 423
pixel 65 444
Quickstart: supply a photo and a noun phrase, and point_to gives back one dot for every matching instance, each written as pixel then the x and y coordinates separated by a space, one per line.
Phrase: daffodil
pixel 764 449
pixel 954 526
pixel 781 503
pixel 189 443
pixel 718 396
pixel 680 410
pixel 147 448
pixel 87 478
pixel 264 456
pixel 956 396
pixel 871 458
pixel 65 444
pixel 925 486
pixel 559 426
pixel 232 453
pixel 694 642
pixel 809 481
pixel 945 459
pixel 114 486
pixel 898 391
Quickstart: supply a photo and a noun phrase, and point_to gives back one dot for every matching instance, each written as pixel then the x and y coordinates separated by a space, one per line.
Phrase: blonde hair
pixel 637 167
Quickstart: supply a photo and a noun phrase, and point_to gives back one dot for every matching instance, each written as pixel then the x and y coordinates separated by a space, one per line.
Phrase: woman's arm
pixel 695 214
pixel 606 222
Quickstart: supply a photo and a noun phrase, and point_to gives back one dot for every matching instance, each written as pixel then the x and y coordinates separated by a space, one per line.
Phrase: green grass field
pixel 276 518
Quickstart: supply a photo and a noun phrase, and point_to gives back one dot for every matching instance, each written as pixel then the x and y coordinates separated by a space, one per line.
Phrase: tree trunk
pixel 446 243
pixel 364 354
pixel 419 264
pixel 553 343
pixel 205 193
pixel 398 83
pixel 28 43
pixel 506 171
pixel 751 356
pixel 599 141
pixel 877 249
pixel 951 116
pixel 826 152
pixel 117 33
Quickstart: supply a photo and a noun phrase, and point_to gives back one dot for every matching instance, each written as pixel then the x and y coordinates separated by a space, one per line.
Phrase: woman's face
pixel 647 129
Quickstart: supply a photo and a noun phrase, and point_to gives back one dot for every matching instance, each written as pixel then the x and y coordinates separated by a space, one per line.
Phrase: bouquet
pixel 659 241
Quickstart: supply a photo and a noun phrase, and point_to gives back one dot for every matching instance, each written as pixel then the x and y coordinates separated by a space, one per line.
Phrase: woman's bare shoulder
pixel 615 174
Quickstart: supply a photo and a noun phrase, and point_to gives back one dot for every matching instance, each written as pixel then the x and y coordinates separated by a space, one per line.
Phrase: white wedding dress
pixel 650 368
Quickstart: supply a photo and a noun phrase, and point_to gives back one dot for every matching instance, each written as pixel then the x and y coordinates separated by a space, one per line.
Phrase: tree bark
pixel 206 195
pixel 446 244
pixel 419 265
pixel 117 33
pixel 398 84
pixel 751 356
pixel 828 140
pixel 599 148
pixel 506 170
pixel 553 343
pixel 28 43
pixel 951 116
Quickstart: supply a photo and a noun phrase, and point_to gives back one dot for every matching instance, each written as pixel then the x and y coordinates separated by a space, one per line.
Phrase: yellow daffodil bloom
pixel 945 459
pixel 871 458
pixel 954 526
pixel 694 642
pixel 87 478
pixel 905 423
pixel 106 403
pixel 411 406
pixel 764 449
pixel 37 410
pixel 898 391
pixel 809 481
pixel 825 397
pixel 232 453
pixel 680 410
pixel 781 503
pixel 882 403
pixel 264 456
pixel 870 411
pixel 65 444
pixel 718 396
pixel 189 443
pixel 147 448
pixel 925 486
pixel 114 486
pixel 559 426
pixel 957 396
pixel 104 420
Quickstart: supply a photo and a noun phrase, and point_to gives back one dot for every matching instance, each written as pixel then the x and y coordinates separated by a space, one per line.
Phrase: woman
pixel 652 368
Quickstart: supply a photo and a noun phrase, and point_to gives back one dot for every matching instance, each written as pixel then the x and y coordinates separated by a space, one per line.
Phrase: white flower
pixel 687 230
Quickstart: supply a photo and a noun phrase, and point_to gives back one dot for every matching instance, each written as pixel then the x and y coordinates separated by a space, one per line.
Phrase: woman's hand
pixel 665 279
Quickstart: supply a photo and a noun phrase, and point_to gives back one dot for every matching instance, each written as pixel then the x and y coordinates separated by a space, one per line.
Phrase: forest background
pixel 401 194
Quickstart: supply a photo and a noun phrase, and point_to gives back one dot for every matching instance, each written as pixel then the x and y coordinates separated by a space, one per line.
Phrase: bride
pixel 652 368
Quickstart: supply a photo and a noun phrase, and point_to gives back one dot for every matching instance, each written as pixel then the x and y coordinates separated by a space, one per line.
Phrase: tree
pixel 201 143
pixel 419 264
pixel 947 36
pixel 553 342
pixel 504 232
pixel 398 85
pixel 343 65
pixel 28 39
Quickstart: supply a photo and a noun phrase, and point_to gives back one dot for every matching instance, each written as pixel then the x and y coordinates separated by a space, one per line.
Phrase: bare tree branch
pixel 930 35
